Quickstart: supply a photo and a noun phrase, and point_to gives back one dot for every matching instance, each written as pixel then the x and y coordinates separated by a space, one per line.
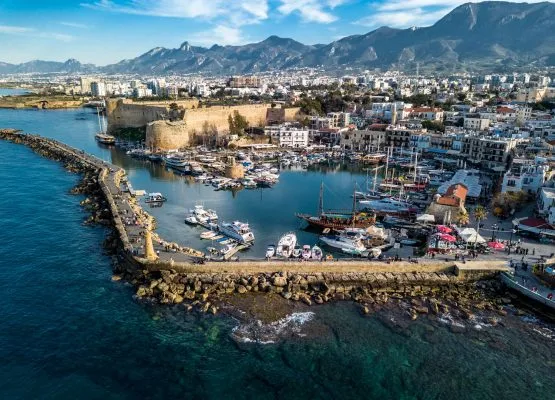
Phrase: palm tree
pixel 463 218
pixel 480 213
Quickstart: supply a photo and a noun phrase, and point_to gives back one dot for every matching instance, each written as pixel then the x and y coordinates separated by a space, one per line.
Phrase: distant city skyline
pixel 107 31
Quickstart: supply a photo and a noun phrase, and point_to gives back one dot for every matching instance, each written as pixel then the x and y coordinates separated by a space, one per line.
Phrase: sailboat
pixel 101 136
pixel 338 219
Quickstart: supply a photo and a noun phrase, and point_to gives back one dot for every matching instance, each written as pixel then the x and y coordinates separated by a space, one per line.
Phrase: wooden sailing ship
pixel 338 219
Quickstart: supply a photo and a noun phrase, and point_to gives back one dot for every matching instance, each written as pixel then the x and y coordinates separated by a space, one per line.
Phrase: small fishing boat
pixel 306 253
pixel 297 251
pixel 270 251
pixel 286 245
pixel 317 253
pixel 228 248
pixel 155 198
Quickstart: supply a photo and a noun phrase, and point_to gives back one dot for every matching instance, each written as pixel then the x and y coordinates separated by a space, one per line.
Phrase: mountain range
pixel 473 37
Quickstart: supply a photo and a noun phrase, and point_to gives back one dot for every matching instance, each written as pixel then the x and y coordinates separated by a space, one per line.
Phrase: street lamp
pixel 493 229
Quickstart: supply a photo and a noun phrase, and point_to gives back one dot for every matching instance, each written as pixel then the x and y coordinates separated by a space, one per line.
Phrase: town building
pixel 98 89
pixel 470 179
pixel 528 177
pixel 288 135
pixel 366 140
pixel 488 152
pixel 476 123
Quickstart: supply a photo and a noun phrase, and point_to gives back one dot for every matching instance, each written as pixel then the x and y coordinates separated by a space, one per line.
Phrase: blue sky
pixel 107 31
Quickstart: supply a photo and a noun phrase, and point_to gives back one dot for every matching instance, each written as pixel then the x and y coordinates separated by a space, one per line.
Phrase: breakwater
pixel 171 274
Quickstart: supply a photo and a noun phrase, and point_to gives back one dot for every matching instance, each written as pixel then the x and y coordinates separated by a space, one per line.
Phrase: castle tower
pixel 234 170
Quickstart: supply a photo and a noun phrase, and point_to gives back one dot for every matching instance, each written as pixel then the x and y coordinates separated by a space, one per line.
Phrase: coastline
pixel 207 286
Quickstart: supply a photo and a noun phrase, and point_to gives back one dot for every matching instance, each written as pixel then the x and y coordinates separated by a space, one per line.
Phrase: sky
pixel 106 31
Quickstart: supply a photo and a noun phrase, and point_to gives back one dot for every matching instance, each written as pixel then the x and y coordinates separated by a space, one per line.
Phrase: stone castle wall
pixel 124 113
pixel 167 135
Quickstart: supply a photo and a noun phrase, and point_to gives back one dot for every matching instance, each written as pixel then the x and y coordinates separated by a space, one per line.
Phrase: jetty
pixel 171 272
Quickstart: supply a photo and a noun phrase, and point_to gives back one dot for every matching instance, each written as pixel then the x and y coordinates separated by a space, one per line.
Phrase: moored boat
pixel 240 231
pixel 316 253
pixel 155 198
pixel 306 253
pixel 270 251
pixel 286 245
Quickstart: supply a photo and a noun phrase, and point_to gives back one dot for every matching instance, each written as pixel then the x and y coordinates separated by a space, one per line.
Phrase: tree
pixel 480 214
pixel 462 218
pixel 433 125
pixel 237 124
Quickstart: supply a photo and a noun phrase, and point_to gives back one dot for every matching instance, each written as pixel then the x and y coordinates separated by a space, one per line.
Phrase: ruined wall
pixel 126 114
pixel 167 135
pixel 218 116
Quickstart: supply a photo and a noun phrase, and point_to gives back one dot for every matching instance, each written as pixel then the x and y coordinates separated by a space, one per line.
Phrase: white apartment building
pixel 288 135
pixel 528 178
pixel 476 123
pixel 363 140
pixel 98 89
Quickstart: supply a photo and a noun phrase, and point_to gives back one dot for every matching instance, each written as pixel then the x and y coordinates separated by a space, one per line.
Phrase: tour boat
pixel 286 245
pixel 191 220
pixel 306 253
pixel 237 230
pixel 297 252
pixel 155 198
pixel 270 251
pixel 346 243
pixel 202 216
pixel 338 219
pixel 175 161
pixel 317 253
pixel 105 138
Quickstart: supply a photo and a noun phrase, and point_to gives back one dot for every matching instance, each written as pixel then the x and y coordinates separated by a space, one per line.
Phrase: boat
pixel 155 198
pixel 104 138
pixel 270 251
pixel 237 230
pixel 191 220
pixel 346 243
pixel 297 252
pixel 389 206
pixel 316 253
pixel 306 253
pixel 338 219
pixel 408 242
pixel 208 235
pixel 228 248
pixel 175 161
pixel 286 245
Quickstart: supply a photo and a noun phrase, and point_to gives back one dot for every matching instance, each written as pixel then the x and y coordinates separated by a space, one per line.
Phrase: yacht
pixel 237 230
pixel 297 252
pixel 286 245
pixel 199 215
pixel 346 243
pixel 175 161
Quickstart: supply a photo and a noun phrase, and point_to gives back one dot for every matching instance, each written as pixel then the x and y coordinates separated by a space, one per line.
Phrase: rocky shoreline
pixel 421 290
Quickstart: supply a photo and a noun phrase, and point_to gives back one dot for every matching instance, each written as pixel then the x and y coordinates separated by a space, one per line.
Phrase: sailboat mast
pixel 99 122
pixel 415 164
pixel 321 201
pixel 387 161
pixel 375 179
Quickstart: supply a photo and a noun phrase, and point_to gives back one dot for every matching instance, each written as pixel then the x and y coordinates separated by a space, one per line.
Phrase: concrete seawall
pixel 174 276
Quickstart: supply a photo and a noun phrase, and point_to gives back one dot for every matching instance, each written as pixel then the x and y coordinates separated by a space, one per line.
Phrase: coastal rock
pixel 189 294
pixel 241 289
pixel 279 281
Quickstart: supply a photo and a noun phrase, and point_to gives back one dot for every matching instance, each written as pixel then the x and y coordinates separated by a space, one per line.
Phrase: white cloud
pixel 310 10
pixel 403 19
pixel 14 29
pixel 220 34
pixel 74 25
pixel 32 32
pixel 252 10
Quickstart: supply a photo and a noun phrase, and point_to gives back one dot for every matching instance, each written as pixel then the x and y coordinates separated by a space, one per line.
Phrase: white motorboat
pixel 155 198
pixel 286 245
pixel 346 243
pixel 105 138
pixel 317 253
pixel 306 253
pixel 237 230
pixel 228 248
pixel 297 252
pixel 388 205
pixel 202 216
pixel 208 235
pixel 270 251
pixel 191 220
pixel 175 161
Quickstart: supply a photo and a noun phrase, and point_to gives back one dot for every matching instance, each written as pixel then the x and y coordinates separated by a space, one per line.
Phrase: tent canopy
pixel 469 235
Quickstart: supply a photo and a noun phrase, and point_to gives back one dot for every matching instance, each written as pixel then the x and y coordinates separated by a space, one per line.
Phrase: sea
pixel 69 331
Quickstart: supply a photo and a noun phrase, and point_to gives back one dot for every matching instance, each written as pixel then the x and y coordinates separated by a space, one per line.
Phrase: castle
pixel 174 124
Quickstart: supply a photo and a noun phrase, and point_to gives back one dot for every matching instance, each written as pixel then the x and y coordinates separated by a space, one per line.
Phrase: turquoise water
pixel 12 92
pixel 68 331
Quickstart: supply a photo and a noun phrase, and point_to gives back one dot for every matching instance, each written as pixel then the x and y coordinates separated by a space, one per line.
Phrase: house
pixel 476 123
pixel 529 177
pixel 426 113
pixel 446 207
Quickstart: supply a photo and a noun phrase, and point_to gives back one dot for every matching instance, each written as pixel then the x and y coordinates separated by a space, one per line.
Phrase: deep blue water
pixel 68 331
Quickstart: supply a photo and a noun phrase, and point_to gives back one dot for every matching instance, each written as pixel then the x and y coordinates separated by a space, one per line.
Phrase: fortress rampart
pixel 124 113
